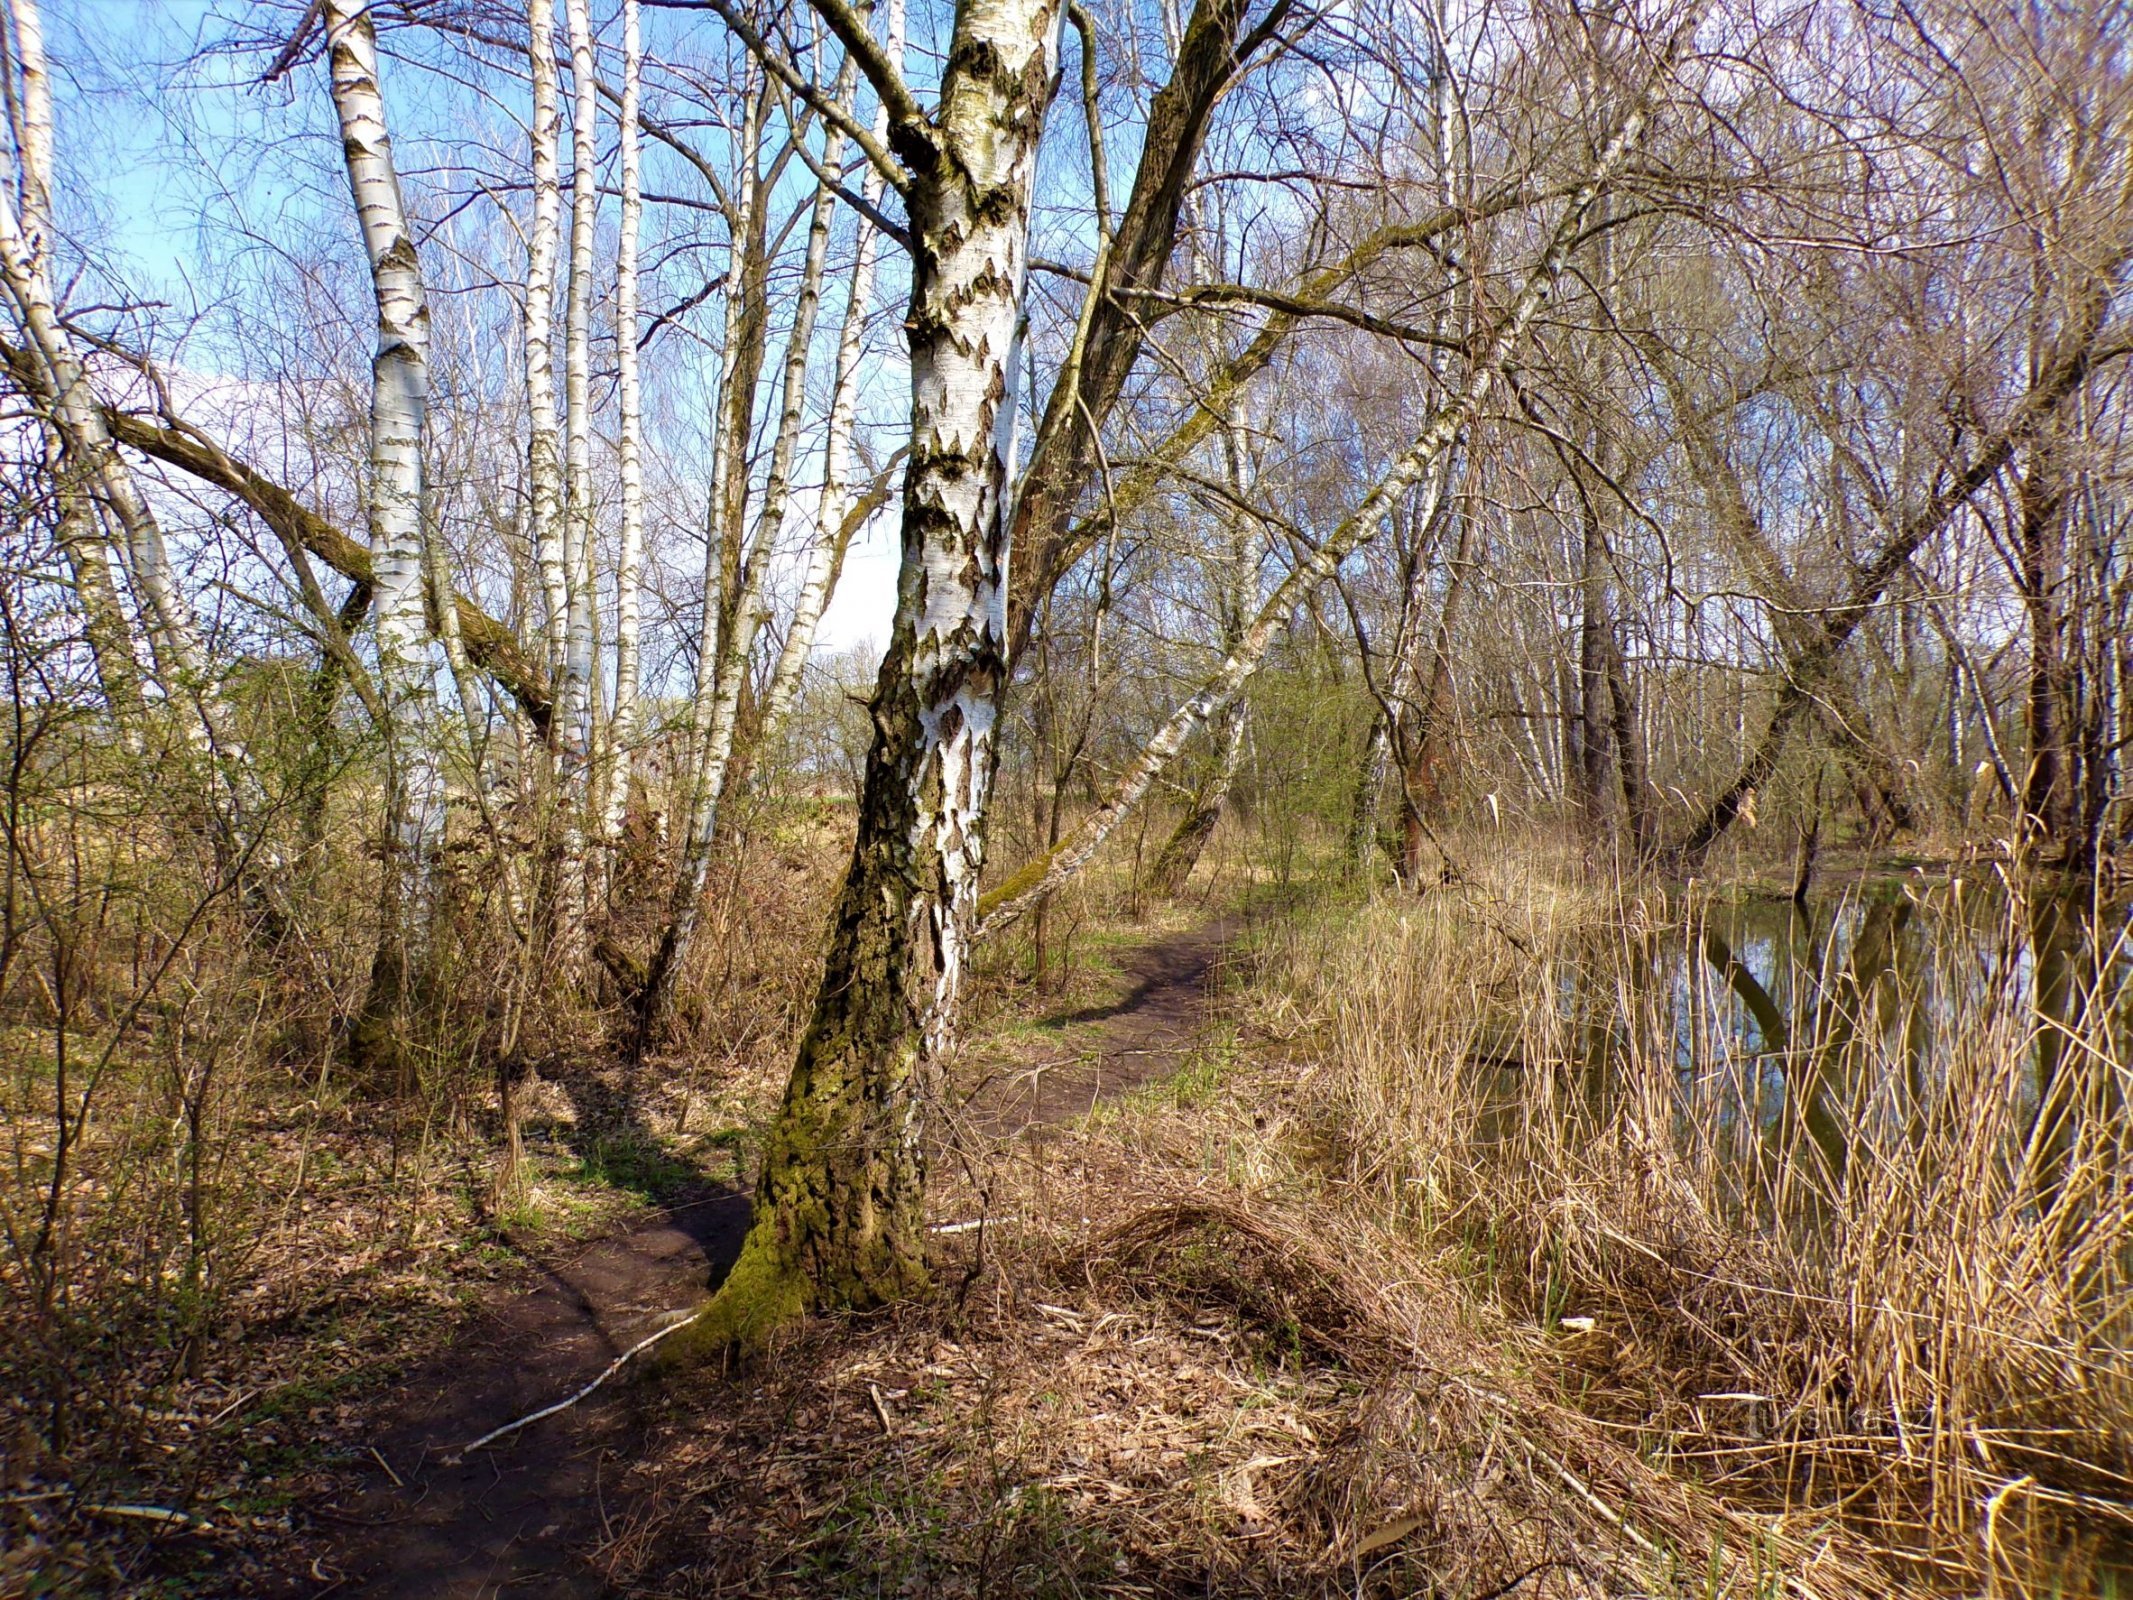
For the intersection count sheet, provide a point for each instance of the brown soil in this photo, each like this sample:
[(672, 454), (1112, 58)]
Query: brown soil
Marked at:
[(417, 1521)]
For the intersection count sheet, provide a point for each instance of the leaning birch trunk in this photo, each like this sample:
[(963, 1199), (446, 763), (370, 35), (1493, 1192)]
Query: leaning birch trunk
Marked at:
[(839, 1211), (70, 404), (399, 404), (825, 555), (1047, 872), (736, 648), (104, 624), (623, 733), (574, 799)]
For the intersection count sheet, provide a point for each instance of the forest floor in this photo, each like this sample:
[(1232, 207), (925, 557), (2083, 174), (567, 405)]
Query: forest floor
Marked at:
[(409, 1513), (1224, 1306)]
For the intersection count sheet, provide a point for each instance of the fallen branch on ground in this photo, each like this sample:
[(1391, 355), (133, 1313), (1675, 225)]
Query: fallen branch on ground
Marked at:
[(682, 1321)]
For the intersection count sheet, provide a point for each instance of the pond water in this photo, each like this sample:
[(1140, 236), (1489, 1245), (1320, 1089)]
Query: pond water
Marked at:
[(1931, 1071), (1864, 1014)]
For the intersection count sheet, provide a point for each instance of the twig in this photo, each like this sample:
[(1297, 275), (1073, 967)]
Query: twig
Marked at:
[(173, 1519), (881, 1411), (243, 1395), (613, 1367), (1578, 1488), (960, 1227), (388, 1466)]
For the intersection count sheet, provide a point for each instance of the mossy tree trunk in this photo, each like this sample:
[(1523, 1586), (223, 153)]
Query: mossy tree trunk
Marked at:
[(839, 1203)]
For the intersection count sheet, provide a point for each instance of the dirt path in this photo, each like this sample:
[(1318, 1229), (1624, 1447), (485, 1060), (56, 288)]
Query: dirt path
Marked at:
[(416, 1523), (412, 1523), (1108, 1050)]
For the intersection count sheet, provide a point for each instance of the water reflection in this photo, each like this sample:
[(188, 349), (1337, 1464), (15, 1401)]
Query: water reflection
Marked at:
[(1823, 1030), (1839, 1019), (1903, 1102)]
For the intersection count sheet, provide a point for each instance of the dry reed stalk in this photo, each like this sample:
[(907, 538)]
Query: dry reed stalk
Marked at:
[(1920, 1327)]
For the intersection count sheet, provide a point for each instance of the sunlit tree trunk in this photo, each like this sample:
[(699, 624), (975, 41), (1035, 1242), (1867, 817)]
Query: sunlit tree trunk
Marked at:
[(399, 403), (629, 399), (839, 1204), (544, 462), (104, 624), (825, 555), (736, 644), (64, 392), (575, 707)]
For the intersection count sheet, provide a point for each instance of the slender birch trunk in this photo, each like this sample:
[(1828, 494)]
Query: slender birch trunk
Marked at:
[(575, 800), (544, 463), (746, 611), (105, 627), (1416, 465), (825, 555), (623, 730), (104, 623), (73, 411), (399, 405), (839, 1213)]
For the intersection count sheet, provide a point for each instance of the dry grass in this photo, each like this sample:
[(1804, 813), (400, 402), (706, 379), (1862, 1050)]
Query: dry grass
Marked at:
[(200, 1347), (1175, 1363), (1920, 1344)]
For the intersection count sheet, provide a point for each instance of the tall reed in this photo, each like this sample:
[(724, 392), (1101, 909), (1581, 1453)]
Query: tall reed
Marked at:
[(1859, 1262)]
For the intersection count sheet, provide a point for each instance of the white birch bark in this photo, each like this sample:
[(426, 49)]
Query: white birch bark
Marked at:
[(399, 549), (399, 399), (728, 455), (575, 800), (623, 732), (1414, 466), (105, 625), (544, 467), (74, 411), (839, 1207), (577, 383), (33, 128)]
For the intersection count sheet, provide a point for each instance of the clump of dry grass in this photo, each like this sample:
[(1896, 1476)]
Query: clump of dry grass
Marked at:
[(1915, 1338), (1229, 1379)]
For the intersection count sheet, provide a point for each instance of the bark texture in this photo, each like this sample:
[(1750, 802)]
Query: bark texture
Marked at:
[(399, 403), (839, 1205)]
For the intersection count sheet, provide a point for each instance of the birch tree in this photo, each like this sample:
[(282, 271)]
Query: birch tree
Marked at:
[(832, 529), (839, 1204), (59, 379), (629, 397), (1416, 465), (743, 614), (399, 404), (576, 734), (544, 462), (105, 626)]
